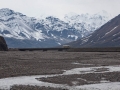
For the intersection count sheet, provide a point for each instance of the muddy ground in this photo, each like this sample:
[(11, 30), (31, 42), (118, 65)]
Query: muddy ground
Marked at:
[(21, 63)]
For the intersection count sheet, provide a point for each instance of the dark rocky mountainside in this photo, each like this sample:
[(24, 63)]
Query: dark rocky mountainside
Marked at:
[(3, 45), (106, 36)]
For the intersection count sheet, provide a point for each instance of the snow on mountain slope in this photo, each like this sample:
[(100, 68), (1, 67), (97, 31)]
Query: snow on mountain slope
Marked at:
[(86, 23), (106, 36), (16, 26)]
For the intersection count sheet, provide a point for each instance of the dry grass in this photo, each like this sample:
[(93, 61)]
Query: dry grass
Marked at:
[(18, 63), (22, 87)]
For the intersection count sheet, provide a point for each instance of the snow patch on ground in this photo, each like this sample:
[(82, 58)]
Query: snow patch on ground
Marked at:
[(101, 86), (92, 70), (59, 43), (111, 30), (80, 63), (6, 83)]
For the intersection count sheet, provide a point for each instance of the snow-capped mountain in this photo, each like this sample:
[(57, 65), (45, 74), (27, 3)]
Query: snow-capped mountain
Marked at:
[(22, 31), (106, 36), (86, 23)]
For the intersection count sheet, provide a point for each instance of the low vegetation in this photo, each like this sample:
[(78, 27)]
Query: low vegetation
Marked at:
[(23, 87)]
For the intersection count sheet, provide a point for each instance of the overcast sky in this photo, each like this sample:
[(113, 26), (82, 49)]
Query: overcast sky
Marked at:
[(58, 8)]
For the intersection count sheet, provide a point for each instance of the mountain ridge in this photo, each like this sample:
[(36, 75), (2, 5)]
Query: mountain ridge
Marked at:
[(16, 26)]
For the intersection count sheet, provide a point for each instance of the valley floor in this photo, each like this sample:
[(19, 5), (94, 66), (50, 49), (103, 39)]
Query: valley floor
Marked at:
[(53, 70)]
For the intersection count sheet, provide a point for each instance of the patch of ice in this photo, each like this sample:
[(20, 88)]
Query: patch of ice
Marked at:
[(80, 63), (104, 81), (100, 86), (75, 82), (82, 79), (76, 63), (92, 70)]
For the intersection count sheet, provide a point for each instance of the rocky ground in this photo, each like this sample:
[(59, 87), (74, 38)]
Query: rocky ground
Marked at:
[(26, 63)]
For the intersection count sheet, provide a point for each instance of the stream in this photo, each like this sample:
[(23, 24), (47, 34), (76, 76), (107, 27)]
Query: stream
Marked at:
[(6, 83)]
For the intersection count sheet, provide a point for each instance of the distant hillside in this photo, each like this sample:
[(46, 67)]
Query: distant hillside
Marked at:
[(106, 36), (3, 45)]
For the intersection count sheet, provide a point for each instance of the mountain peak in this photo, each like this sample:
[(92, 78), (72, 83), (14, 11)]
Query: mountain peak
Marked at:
[(52, 18), (105, 14), (6, 12)]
